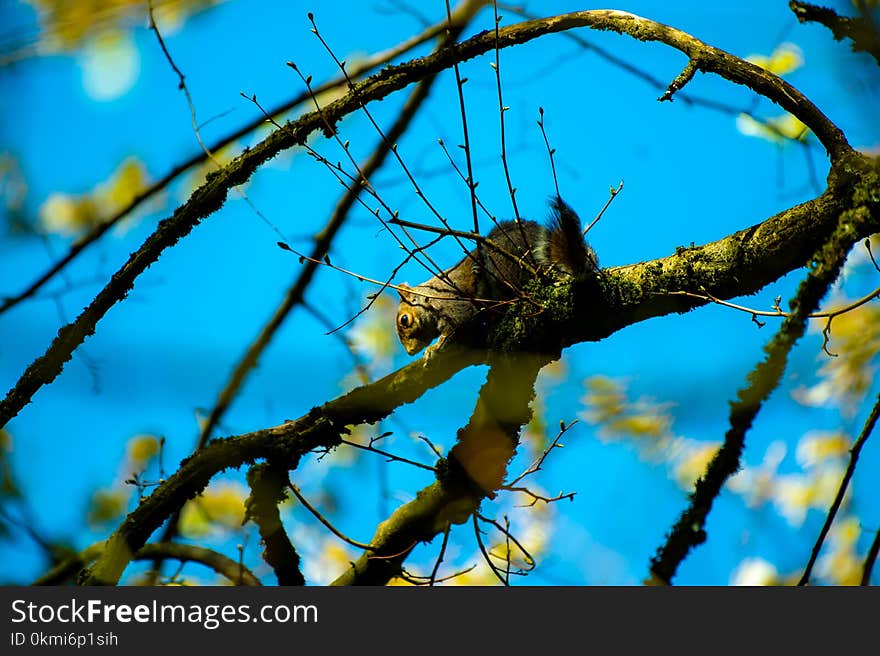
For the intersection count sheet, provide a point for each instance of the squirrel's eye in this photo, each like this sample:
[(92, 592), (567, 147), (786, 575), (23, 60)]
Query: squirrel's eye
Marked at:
[(403, 320)]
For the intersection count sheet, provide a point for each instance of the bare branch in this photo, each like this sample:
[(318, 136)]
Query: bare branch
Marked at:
[(854, 452), (283, 445), (363, 67), (433, 578), (342, 536), (689, 530), (210, 197), (681, 79), (539, 462), (612, 194), (234, 571), (268, 486), (486, 557), (385, 454)]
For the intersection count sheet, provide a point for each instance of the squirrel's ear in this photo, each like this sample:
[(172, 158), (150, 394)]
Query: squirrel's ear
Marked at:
[(403, 291)]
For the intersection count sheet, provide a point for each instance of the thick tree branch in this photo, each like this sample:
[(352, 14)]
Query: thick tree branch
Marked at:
[(741, 263), (738, 264), (296, 293), (211, 196), (268, 489), (282, 445), (475, 468), (233, 571), (825, 265)]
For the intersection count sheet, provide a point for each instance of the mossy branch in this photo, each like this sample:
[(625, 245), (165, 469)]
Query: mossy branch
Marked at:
[(268, 489), (210, 196), (475, 467), (233, 571), (282, 445), (739, 264), (736, 265)]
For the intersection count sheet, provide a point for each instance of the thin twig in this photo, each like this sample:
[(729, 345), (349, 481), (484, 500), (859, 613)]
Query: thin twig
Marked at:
[(416, 579), (390, 456), (208, 198), (502, 109), (439, 560), (485, 553), (463, 177), (871, 254), (342, 536), (431, 446), (779, 312), (539, 462), (472, 184), (612, 195), (538, 497), (529, 560), (550, 151), (841, 490), (101, 228)]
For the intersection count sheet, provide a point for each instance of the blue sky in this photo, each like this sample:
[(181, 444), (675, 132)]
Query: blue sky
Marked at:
[(156, 359)]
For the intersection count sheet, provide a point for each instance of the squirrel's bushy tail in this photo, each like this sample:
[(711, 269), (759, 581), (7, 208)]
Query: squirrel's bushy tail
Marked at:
[(567, 247)]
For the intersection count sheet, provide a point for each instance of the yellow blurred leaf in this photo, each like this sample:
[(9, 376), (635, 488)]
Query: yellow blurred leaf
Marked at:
[(785, 59), (219, 508), (140, 449), (66, 24), (755, 572), (107, 506), (640, 425), (68, 214), (777, 129), (818, 446), (841, 564), (845, 379), (692, 466), (371, 337)]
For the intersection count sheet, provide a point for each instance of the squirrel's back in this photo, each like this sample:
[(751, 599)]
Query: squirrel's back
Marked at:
[(515, 253)]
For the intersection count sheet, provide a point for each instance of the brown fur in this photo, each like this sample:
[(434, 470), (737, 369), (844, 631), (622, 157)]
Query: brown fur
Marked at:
[(486, 277)]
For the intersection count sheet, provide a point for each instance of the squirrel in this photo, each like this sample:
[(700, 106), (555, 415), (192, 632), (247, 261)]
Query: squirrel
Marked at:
[(513, 253)]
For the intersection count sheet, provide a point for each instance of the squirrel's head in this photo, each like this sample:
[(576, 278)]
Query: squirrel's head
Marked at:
[(416, 326)]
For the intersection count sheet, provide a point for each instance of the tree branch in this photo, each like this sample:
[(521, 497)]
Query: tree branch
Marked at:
[(234, 571), (854, 452), (357, 70), (295, 295), (282, 445), (862, 31), (323, 241), (210, 197), (268, 488), (475, 468), (572, 312), (740, 263), (689, 530)]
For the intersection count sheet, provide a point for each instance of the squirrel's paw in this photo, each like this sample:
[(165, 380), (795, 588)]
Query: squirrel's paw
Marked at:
[(433, 349)]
